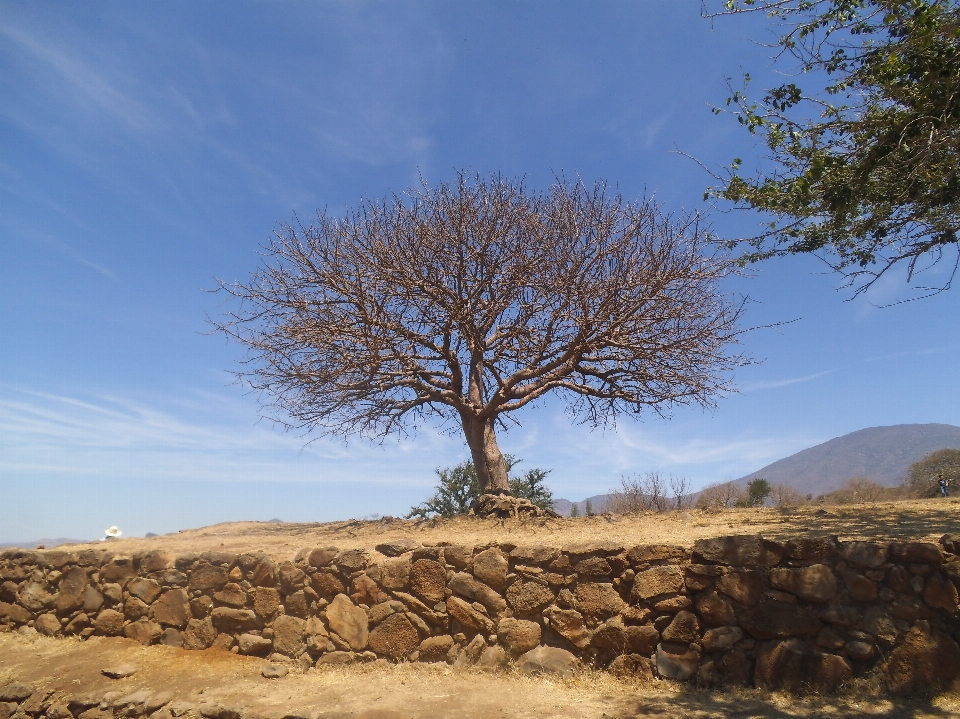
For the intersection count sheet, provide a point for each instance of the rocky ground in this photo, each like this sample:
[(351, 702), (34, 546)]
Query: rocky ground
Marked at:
[(58, 678), (63, 678)]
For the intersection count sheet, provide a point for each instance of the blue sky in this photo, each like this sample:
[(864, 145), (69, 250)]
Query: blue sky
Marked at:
[(147, 148)]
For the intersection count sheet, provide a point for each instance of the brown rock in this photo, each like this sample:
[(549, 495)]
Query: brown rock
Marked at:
[(35, 597), (744, 587), (109, 622), (609, 639), (829, 639), (926, 661), (641, 640), (631, 666), (327, 585), (469, 618), (683, 629), (598, 600), (714, 610), (435, 649), (290, 578), (772, 619), (47, 624), (860, 650), (264, 574), (864, 554), (207, 577), (671, 604), (941, 594), (812, 548), (655, 553), (118, 570), (72, 585), (721, 638), (155, 561), (428, 580), (253, 645), (534, 555), (738, 550), (322, 556), (199, 634), (133, 608), (266, 601), (676, 662), (458, 555), (815, 583), (171, 609), (144, 631), (656, 581), (397, 547), (395, 637), (548, 660), (492, 658), (798, 666), (395, 573), (338, 658), (348, 621), (861, 589), (731, 669), (296, 604), (569, 624), (518, 636), (171, 637), (915, 553), (77, 625), (234, 621), (92, 599), (15, 692), (352, 560), (146, 590), (14, 613), (466, 586), (593, 567), (288, 635), (491, 567), (898, 579), (232, 595)]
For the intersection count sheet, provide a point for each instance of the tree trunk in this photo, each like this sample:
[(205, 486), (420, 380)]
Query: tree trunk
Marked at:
[(487, 458)]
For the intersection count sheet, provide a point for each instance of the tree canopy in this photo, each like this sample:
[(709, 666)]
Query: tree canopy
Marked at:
[(467, 302), (864, 169), (922, 475)]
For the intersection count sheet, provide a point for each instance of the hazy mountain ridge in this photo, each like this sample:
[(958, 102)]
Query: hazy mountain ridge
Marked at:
[(882, 454)]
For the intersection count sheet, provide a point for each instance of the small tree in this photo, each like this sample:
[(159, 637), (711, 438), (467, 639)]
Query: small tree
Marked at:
[(588, 508), (644, 493), (457, 489), (757, 492), (784, 495), (922, 475), (574, 510), (679, 486), (466, 303)]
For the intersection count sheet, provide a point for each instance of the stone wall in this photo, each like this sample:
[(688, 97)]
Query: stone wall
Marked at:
[(804, 615)]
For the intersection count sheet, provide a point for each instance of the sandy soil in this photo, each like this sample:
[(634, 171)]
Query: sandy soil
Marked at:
[(409, 690), (917, 520)]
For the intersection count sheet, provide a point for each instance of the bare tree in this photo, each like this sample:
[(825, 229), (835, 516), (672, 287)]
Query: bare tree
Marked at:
[(723, 495), (467, 302), (784, 495), (645, 493), (680, 487)]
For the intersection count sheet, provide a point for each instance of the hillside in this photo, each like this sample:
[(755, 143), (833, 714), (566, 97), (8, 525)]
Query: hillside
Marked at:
[(882, 454)]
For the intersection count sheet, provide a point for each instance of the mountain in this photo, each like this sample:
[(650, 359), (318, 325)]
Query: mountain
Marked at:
[(882, 454), (48, 543)]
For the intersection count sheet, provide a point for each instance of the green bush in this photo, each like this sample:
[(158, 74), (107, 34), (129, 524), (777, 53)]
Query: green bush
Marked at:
[(458, 487)]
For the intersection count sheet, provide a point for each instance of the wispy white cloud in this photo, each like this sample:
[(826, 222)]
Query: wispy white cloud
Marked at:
[(111, 436), (773, 384)]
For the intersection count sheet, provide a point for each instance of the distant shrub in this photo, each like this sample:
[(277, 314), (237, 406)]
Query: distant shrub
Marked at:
[(574, 510), (757, 492), (719, 496), (861, 489), (921, 478), (783, 495)]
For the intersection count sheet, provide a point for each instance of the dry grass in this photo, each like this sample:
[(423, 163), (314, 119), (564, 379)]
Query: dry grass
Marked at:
[(915, 520)]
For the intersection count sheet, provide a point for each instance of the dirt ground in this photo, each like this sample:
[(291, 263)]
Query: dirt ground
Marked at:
[(917, 520), (409, 691)]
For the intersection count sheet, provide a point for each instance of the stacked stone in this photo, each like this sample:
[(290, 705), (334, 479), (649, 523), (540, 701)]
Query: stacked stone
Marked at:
[(805, 615)]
